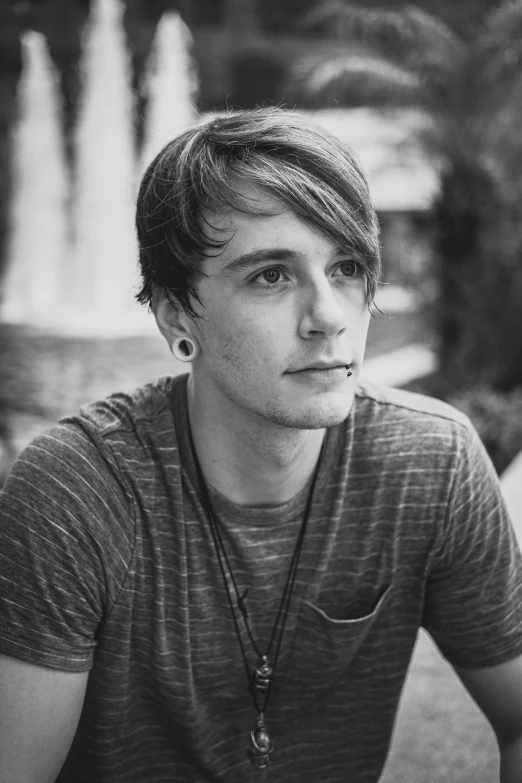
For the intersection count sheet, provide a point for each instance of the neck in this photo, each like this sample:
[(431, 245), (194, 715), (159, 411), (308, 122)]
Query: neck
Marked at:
[(250, 461)]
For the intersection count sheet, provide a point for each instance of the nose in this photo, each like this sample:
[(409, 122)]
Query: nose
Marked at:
[(324, 313)]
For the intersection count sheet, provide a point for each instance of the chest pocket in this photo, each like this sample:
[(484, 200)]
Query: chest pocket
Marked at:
[(323, 648)]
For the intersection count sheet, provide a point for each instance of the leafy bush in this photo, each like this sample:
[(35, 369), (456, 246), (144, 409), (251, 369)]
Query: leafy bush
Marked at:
[(497, 417)]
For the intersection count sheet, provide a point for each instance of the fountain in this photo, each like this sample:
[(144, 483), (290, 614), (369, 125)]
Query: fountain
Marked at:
[(73, 255), (38, 247), (171, 86), (102, 273), (70, 327)]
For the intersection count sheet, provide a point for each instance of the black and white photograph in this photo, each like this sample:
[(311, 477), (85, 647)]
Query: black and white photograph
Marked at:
[(260, 391)]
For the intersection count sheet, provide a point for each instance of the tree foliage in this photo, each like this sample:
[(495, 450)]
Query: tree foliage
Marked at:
[(277, 16), (472, 90)]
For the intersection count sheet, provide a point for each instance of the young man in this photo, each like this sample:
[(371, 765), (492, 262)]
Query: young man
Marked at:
[(224, 573)]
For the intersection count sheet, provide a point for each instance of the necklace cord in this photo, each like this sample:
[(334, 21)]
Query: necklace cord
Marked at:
[(290, 583), (217, 541), (284, 604)]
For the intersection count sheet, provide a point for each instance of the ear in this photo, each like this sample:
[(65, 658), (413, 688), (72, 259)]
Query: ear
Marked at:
[(173, 322)]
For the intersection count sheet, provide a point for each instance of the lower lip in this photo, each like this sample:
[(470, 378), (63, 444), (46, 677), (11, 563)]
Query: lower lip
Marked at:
[(330, 376)]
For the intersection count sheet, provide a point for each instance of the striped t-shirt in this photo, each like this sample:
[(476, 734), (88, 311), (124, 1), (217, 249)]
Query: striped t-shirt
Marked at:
[(107, 564)]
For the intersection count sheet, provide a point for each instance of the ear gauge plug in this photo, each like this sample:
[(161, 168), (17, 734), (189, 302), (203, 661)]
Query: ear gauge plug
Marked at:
[(184, 349)]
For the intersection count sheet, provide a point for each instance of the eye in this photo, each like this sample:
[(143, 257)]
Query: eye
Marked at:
[(348, 268), (271, 275)]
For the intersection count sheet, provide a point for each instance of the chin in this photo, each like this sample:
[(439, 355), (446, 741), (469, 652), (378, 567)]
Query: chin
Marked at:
[(316, 415)]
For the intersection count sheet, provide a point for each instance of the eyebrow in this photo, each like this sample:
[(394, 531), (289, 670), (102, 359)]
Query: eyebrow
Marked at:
[(256, 257)]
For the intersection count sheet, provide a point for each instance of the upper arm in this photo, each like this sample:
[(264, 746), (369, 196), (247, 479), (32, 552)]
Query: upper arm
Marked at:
[(66, 535), (40, 711), (473, 602), (497, 690)]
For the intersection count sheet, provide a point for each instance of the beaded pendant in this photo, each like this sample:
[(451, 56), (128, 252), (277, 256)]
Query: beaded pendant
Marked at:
[(262, 675), (262, 746)]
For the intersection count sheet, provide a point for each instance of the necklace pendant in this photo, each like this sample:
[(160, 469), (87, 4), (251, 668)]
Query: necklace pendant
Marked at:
[(262, 747), (262, 675)]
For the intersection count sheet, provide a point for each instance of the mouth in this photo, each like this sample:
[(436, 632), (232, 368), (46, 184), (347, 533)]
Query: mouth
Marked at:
[(325, 373), (324, 367)]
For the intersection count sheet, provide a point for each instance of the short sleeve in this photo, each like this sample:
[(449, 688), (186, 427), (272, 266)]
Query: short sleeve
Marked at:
[(473, 607), (64, 543)]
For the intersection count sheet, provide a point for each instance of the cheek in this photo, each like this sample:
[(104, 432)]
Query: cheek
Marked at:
[(245, 342), (365, 324)]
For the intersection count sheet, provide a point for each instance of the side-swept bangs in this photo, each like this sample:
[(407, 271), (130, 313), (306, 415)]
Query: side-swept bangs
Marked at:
[(307, 169)]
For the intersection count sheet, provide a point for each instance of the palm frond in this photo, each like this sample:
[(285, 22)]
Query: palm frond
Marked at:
[(354, 80), (409, 37), (431, 33), (505, 20), (383, 29), (323, 18), (500, 45)]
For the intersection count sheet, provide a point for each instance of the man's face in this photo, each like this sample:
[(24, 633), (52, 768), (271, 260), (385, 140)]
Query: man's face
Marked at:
[(281, 305)]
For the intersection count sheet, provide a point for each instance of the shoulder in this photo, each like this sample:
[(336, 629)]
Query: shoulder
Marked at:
[(103, 433), (92, 460), (136, 411), (410, 413), (410, 431)]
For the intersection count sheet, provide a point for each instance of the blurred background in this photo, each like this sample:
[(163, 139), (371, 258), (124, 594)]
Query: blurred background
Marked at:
[(429, 98)]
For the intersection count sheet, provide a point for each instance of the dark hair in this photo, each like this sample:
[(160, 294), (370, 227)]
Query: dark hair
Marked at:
[(305, 167)]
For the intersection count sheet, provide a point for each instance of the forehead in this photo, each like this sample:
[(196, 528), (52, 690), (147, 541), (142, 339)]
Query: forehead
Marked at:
[(257, 202), (265, 223)]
